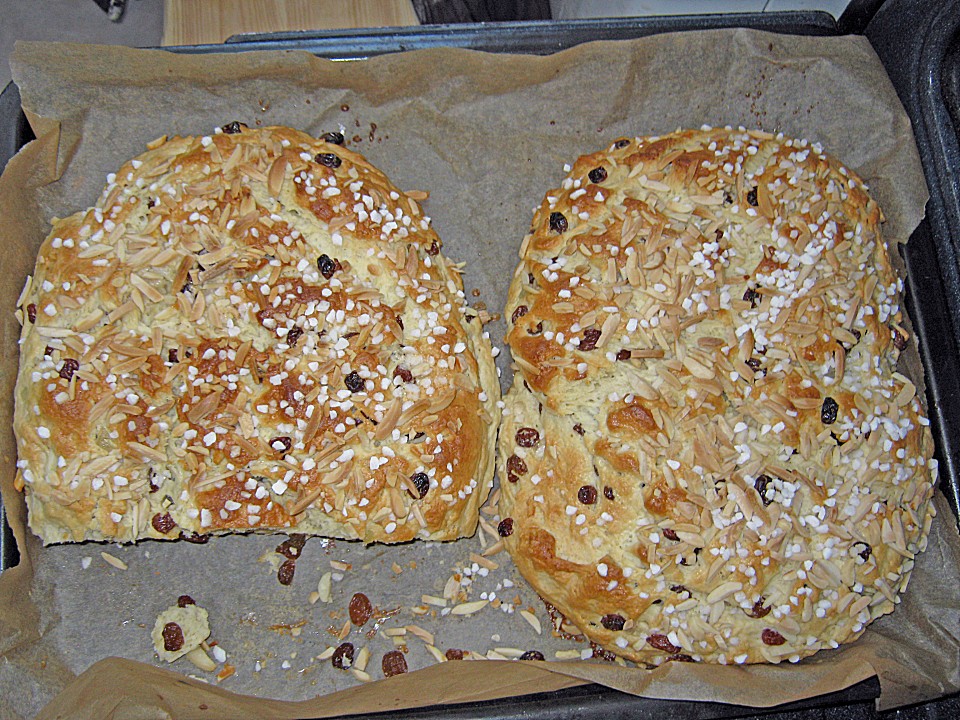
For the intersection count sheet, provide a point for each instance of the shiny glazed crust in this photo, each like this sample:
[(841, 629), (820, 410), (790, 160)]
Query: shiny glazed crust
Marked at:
[(708, 453), (251, 331)]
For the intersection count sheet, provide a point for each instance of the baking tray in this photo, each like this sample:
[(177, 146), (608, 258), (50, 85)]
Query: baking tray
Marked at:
[(919, 43)]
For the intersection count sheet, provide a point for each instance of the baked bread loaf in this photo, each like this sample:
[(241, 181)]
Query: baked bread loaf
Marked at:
[(252, 331), (708, 453)]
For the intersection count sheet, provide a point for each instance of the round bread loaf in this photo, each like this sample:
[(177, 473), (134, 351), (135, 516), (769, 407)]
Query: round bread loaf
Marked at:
[(252, 331), (708, 453)]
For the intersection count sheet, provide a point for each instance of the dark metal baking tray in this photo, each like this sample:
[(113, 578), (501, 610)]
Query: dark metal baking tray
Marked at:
[(919, 44)]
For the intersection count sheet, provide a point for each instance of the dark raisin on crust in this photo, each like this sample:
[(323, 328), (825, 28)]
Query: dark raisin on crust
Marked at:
[(613, 621), (597, 175), (329, 159), (558, 222), (590, 338), (527, 437), (828, 411), (761, 484), (334, 138), (587, 495), (163, 523), (422, 482), (354, 382)]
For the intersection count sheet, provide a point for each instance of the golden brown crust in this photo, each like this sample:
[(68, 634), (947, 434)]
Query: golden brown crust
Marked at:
[(708, 453), (251, 331)]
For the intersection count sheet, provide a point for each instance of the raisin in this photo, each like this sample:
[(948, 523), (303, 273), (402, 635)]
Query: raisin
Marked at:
[(679, 589), (680, 657), (537, 330), (671, 534), (232, 128), (173, 356), (403, 374), (151, 203), (899, 339), (597, 175), (865, 553), (195, 538), (751, 296), (727, 198), (623, 354), (172, 637), (393, 663), (360, 609), (185, 600), (622, 143), (70, 366), (662, 642), (608, 492), (505, 528), (601, 654), (32, 312), (527, 437), (590, 338), (328, 159), (292, 547), (519, 313), (752, 197), (772, 637), (282, 444), (334, 138), (326, 265), (754, 364), (515, 468), (293, 335), (434, 248), (47, 351), (422, 482), (578, 429), (558, 223), (613, 621), (532, 655), (342, 657), (454, 654), (354, 382), (828, 411), (758, 610), (286, 572), (163, 523), (761, 484), (587, 495)]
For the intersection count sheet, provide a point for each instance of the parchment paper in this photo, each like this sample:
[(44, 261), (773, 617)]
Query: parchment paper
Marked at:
[(487, 135)]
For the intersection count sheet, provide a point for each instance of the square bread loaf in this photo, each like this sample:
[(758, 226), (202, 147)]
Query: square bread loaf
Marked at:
[(251, 331)]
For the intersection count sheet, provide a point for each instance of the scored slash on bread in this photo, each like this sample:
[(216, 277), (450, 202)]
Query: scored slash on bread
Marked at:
[(708, 453), (251, 331)]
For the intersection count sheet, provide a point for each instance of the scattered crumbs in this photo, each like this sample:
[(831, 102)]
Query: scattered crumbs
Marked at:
[(112, 560)]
